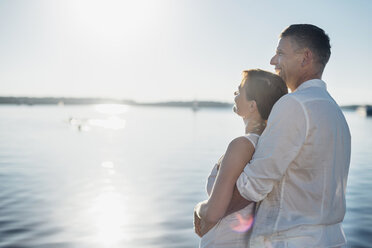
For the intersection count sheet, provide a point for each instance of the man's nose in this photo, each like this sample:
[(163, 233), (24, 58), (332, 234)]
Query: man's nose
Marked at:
[(273, 60)]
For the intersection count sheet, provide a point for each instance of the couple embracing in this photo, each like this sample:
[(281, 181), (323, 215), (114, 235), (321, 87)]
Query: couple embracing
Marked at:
[(283, 183)]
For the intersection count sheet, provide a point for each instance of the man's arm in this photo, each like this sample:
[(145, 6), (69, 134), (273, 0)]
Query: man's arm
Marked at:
[(237, 202), (277, 147)]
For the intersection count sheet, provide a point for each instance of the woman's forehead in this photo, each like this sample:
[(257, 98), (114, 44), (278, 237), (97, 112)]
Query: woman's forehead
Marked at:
[(244, 82)]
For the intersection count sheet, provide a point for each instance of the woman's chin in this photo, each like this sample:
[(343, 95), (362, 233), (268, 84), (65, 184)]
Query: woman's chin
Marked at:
[(236, 111)]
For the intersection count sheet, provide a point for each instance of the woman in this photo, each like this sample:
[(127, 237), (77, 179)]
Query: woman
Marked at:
[(256, 95)]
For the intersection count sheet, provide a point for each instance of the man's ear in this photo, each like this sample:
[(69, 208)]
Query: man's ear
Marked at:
[(307, 57)]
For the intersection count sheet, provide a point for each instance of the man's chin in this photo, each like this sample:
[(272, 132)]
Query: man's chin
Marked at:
[(280, 74)]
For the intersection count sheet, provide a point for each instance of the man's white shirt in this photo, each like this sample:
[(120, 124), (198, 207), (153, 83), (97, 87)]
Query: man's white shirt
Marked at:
[(299, 171)]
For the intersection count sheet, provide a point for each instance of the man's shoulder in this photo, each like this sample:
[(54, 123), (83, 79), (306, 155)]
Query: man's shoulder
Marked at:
[(313, 94), (287, 108), (286, 102)]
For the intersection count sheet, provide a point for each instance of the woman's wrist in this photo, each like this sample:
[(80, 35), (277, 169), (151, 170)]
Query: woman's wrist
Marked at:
[(200, 209)]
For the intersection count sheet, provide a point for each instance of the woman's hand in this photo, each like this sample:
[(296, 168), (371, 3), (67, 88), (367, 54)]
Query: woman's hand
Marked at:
[(205, 227), (197, 222), (197, 218), (201, 227)]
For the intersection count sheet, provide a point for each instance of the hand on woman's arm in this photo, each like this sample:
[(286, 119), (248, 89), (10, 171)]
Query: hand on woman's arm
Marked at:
[(238, 154)]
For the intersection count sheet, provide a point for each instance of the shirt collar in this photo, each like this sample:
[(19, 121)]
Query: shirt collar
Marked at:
[(312, 83)]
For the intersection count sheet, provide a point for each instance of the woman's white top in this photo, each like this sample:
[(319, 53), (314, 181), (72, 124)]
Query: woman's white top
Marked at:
[(232, 230)]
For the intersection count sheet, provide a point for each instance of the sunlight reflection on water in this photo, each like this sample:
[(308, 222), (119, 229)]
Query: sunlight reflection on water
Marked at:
[(108, 211), (111, 109), (108, 215), (112, 122)]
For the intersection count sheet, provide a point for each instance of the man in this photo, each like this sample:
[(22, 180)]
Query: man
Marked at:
[(299, 170)]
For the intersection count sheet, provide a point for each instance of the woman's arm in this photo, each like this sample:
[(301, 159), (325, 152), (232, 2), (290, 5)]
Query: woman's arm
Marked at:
[(237, 156)]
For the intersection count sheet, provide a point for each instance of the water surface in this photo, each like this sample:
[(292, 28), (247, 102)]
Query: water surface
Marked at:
[(124, 176)]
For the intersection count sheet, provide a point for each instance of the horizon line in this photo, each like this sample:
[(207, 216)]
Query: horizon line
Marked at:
[(110, 100)]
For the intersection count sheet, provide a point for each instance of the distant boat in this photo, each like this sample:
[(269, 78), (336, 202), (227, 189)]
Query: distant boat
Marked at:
[(195, 106), (365, 110)]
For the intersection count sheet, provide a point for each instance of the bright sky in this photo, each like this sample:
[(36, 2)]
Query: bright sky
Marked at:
[(148, 50)]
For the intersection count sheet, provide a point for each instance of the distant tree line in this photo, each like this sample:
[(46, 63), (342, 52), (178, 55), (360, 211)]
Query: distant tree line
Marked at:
[(83, 101)]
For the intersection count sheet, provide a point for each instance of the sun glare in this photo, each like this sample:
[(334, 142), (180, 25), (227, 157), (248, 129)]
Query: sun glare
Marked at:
[(113, 20), (243, 223)]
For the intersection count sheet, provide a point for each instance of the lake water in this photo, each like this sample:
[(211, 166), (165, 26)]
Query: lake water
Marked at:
[(124, 176)]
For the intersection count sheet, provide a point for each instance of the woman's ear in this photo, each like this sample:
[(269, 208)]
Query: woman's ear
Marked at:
[(253, 106)]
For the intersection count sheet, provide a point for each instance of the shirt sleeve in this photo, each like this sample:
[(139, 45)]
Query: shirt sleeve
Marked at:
[(277, 147)]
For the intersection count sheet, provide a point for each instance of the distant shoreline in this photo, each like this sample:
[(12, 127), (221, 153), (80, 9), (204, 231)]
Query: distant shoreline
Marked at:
[(87, 101)]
